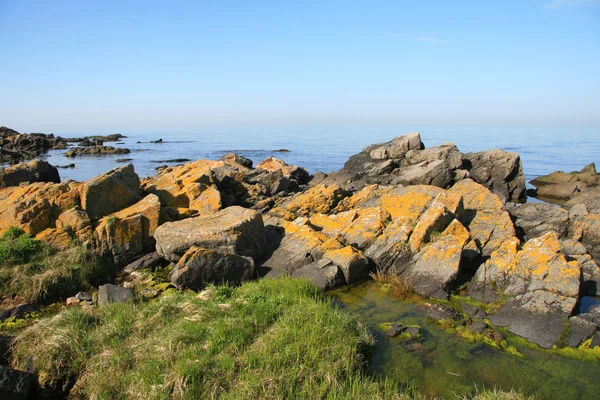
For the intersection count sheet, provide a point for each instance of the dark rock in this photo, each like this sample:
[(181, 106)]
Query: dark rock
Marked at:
[(537, 219), (96, 151), (473, 312), (156, 141), (122, 160), (235, 160), (595, 341), (439, 312), (586, 229), (317, 178), (34, 171), (396, 330), (281, 151), (412, 332), (174, 160), (15, 385), (149, 261), (199, 267), (580, 329), (66, 166), (90, 142), (114, 294), (323, 274), (19, 311), (83, 296)]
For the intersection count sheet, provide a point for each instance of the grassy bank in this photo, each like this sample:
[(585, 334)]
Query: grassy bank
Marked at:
[(270, 339), (32, 272)]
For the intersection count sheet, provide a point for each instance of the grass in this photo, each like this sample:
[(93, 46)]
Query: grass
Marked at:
[(270, 339), (32, 272), (390, 280)]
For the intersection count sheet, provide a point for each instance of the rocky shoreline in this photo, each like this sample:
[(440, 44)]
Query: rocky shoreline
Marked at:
[(442, 221)]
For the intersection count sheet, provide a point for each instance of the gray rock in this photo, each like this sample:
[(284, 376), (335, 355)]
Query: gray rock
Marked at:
[(537, 219), (396, 330), (199, 267), (114, 294), (580, 329), (395, 148), (149, 261), (439, 312), (323, 274), (234, 230), (15, 385), (499, 171), (19, 311), (235, 160), (589, 198), (33, 171), (83, 296), (412, 332), (478, 326)]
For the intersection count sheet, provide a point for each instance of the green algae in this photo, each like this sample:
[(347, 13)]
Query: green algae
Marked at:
[(445, 363)]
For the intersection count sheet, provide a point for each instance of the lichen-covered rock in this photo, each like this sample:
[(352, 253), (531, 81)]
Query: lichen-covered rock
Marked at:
[(127, 234), (362, 231), (110, 192), (434, 220), (484, 214), (586, 229), (324, 274), (237, 161), (271, 164), (541, 284), (233, 230), (316, 200), (34, 207), (499, 171), (435, 267), (33, 171), (57, 238), (199, 267)]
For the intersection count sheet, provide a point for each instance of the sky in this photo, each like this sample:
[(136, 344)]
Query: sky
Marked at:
[(138, 66)]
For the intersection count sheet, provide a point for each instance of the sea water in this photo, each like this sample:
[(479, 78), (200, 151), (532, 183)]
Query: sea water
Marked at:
[(325, 149)]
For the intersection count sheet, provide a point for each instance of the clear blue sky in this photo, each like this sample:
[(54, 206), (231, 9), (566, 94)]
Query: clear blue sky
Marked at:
[(127, 66)]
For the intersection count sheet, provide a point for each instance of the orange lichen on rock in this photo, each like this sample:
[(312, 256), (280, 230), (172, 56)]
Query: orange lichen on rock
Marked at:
[(333, 224), (435, 219), (316, 200), (351, 261), (369, 224)]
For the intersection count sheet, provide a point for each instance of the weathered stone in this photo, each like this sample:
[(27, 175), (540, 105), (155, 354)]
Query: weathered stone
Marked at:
[(128, 233), (589, 198), (234, 230), (368, 225), (149, 261), (34, 171), (316, 200), (59, 239), (114, 294), (390, 251), (237, 161), (271, 164), (537, 219), (110, 192), (586, 229), (489, 224), (560, 186), (199, 266), (437, 265), (352, 262), (96, 150), (323, 274), (433, 221), (580, 330), (395, 148), (499, 171)]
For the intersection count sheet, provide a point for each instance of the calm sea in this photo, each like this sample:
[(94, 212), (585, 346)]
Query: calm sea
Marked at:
[(542, 150)]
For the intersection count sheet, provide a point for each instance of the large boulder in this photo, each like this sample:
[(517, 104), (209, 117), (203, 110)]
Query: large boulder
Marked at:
[(35, 207), (537, 219), (272, 164), (128, 233), (541, 285), (484, 214), (437, 265), (34, 171), (499, 171), (199, 267), (110, 192), (589, 198), (234, 230)]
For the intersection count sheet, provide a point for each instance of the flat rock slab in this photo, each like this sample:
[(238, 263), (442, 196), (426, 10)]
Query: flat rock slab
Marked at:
[(234, 230), (114, 294)]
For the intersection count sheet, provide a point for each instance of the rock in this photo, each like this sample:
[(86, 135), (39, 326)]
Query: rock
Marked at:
[(364, 229), (199, 266), (560, 186), (484, 214), (15, 385), (149, 261), (352, 262), (440, 313), (391, 251), (110, 192), (16, 147), (76, 221), (435, 267), (19, 311), (87, 142), (114, 294), (542, 287), (316, 200), (83, 296), (477, 327), (97, 150), (271, 164), (34, 207), (395, 148), (412, 332), (72, 301), (33, 171), (580, 330), (128, 233), (323, 274), (56, 238), (586, 229), (234, 230), (317, 178), (396, 330), (237, 161), (499, 171), (72, 165), (537, 219), (590, 199)]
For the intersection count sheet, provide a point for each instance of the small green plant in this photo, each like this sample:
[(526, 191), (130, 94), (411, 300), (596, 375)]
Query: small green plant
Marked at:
[(13, 232), (390, 279), (434, 236), (111, 221)]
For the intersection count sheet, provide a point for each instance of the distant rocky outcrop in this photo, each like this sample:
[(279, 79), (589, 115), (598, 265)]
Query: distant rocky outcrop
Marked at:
[(96, 150), (405, 161), (34, 171), (16, 147), (560, 187)]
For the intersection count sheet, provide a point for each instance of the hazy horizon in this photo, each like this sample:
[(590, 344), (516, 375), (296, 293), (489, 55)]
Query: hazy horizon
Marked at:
[(132, 67)]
